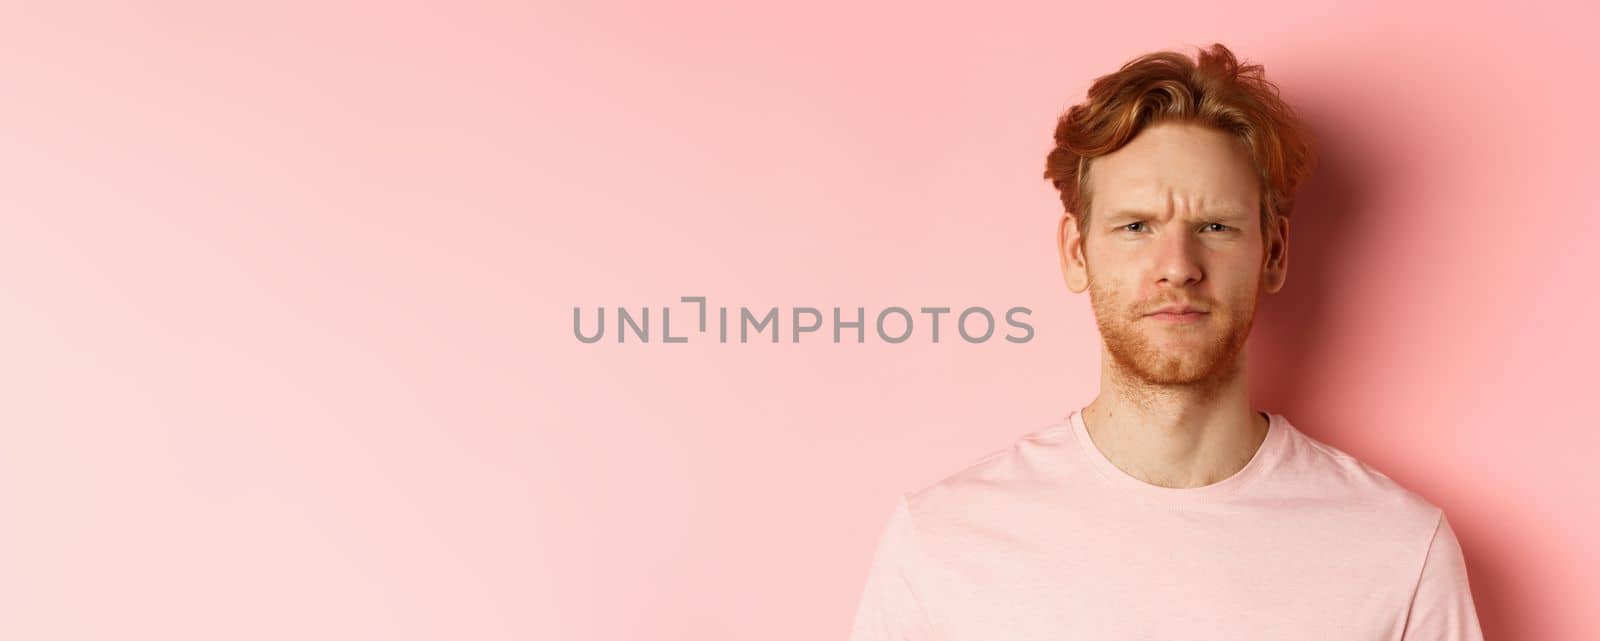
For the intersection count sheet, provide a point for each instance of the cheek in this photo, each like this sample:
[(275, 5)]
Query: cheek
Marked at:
[(1241, 297), (1235, 275)]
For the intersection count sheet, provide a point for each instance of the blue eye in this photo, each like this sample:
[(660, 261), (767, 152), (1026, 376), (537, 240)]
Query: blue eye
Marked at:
[(1128, 227)]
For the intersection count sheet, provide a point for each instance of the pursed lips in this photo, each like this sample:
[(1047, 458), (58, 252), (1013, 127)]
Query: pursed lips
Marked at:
[(1177, 313)]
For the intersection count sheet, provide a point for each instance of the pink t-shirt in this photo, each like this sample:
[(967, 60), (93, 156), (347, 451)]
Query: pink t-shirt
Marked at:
[(1047, 540)]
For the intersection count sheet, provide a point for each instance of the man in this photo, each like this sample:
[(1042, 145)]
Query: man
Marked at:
[(1167, 509)]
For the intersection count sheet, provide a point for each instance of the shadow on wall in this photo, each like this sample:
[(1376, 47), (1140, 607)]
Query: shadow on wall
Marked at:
[(1290, 338), (1290, 334)]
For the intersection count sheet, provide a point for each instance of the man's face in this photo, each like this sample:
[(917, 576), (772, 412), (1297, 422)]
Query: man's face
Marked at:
[(1175, 222)]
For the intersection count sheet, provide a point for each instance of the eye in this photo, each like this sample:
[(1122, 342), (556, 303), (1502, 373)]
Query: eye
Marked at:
[(1125, 227), (1224, 227)]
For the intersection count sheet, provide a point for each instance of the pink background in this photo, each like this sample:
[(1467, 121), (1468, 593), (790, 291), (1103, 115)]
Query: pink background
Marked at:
[(288, 298)]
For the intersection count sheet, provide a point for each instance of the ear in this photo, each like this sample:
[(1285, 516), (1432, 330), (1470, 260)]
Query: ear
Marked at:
[(1069, 243), (1275, 261)]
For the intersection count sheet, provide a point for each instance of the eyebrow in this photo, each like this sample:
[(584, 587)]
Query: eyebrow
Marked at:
[(1225, 213)]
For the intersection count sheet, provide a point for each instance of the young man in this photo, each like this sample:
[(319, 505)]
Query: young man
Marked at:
[(1168, 509)]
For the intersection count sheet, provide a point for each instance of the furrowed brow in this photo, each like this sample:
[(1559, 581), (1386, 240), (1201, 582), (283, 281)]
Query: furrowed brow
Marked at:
[(1229, 214)]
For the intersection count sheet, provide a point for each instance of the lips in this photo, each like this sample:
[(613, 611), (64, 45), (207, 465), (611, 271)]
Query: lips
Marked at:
[(1179, 315), (1176, 309)]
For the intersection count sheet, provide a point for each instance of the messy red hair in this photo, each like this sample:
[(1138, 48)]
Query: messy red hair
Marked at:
[(1215, 90)]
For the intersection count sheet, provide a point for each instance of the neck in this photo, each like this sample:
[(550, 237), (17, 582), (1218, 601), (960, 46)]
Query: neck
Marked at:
[(1175, 436)]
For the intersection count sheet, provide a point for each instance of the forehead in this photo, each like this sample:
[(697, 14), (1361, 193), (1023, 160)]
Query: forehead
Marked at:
[(1182, 165)]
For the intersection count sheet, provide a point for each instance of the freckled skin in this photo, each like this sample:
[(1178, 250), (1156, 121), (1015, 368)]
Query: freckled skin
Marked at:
[(1180, 175), (1175, 218)]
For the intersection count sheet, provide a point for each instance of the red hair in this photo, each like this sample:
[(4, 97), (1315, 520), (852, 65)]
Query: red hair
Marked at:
[(1215, 90)]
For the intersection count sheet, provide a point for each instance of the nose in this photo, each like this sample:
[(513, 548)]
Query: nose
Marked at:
[(1178, 258)]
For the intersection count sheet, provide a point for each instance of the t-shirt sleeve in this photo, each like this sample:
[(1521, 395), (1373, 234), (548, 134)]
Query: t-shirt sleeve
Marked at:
[(889, 608), (1441, 608)]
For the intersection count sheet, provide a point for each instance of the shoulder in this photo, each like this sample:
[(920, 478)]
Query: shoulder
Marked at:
[(1319, 473), (994, 480)]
